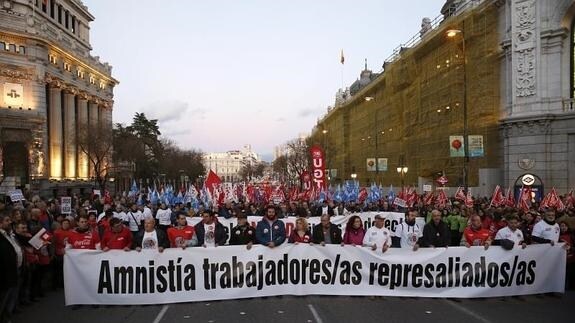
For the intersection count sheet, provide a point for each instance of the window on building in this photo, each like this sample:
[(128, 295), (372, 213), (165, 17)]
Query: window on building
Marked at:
[(59, 14), (67, 67), (66, 20), (3, 45), (44, 6), (102, 85), (52, 9), (53, 59), (22, 50), (12, 47), (80, 73), (92, 79), (73, 24)]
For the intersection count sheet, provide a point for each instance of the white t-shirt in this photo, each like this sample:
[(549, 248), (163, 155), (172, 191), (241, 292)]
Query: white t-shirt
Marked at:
[(546, 231), (163, 216), (409, 234), (210, 235), (150, 240), (506, 233), (133, 219), (377, 236), (120, 215), (101, 216), (148, 213)]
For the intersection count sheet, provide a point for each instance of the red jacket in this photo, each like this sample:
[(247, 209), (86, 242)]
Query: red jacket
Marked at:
[(175, 235), (568, 239), (60, 237), (294, 237), (476, 237)]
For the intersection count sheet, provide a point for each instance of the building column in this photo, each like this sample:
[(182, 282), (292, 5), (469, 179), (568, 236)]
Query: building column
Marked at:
[(70, 134), (55, 138), (82, 128), (93, 123)]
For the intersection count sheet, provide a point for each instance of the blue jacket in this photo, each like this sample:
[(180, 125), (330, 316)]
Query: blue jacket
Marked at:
[(265, 234)]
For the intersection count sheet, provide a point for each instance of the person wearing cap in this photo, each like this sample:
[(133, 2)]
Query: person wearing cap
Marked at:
[(510, 236), (378, 236), (243, 233)]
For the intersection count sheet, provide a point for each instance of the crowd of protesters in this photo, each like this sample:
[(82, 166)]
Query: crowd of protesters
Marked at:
[(96, 223)]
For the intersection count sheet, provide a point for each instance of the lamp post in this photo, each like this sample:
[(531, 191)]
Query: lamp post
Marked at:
[(402, 170), (452, 33), (353, 176)]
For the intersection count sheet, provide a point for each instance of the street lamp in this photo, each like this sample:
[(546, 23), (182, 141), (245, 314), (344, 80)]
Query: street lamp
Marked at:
[(402, 170), (353, 176), (452, 33)]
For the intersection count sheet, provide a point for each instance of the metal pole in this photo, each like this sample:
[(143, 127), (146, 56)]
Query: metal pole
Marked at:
[(465, 130)]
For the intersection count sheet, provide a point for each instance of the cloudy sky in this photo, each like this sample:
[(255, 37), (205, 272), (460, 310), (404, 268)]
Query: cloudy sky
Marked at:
[(220, 74)]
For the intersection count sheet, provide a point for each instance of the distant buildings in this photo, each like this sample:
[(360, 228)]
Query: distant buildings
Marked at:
[(227, 165)]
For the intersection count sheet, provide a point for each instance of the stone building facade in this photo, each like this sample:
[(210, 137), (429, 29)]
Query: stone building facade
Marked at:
[(506, 76), (227, 165), (52, 88)]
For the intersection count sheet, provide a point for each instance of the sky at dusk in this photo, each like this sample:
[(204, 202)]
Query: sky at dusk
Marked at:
[(221, 74)]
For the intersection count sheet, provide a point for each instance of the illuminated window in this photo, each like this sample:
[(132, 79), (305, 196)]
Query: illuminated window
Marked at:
[(67, 67), (80, 73), (102, 85), (53, 59), (92, 79)]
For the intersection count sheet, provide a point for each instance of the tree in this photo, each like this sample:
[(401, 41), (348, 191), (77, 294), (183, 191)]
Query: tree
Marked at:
[(96, 142), (175, 162), (251, 169), (279, 166), (295, 162)]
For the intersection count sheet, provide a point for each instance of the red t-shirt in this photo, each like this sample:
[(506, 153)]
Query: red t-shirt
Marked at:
[(60, 237), (119, 240), (496, 226), (175, 235), (476, 238), (85, 240)]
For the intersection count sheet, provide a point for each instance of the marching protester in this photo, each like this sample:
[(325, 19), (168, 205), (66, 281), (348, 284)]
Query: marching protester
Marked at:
[(354, 231), (11, 260), (164, 217), (326, 232), (151, 238), (510, 236), (59, 240), (243, 233), (117, 236), (134, 219), (301, 234), (182, 235), (547, 230), (209, 231), (378, 236), (83, 236), (475, 234), (436, 233), (408, 233), (270, 231)]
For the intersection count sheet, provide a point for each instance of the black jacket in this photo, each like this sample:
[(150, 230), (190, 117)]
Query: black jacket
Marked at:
[(8, 264), (221, 236), (162, 239), (334, 231), (242, 235), (319, 211), (435, 235)]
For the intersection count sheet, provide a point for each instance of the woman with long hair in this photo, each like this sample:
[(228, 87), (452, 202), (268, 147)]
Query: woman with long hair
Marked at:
[(301, 232), (354, 231)]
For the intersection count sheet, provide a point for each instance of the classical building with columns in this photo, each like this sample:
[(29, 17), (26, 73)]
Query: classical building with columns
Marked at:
[(52, 89), (499, 71)]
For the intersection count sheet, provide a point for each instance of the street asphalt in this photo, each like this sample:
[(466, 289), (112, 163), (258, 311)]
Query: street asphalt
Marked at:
[(319, 309)]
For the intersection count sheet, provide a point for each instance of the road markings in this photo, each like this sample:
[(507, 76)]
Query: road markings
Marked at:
[(161, 314), (314, 313), (468, 311)]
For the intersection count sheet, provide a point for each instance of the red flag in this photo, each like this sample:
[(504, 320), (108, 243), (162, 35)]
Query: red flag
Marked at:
[(509, 198), (107, 197), (497, 198), (428, 199), (441, 200), (460, 194), (411, 197), (362, 195), (212, 181), (469, 199), (524, 202), (570, 200), (552, 200)]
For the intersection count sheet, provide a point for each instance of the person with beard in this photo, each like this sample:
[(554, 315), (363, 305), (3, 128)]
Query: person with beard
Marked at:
[(210, 232), (475, 234), (326, 232), (436, 233), (182, 235), (354, 231), (408, 233), (546, 231), (243, 233), (270, 231), (83, 237)]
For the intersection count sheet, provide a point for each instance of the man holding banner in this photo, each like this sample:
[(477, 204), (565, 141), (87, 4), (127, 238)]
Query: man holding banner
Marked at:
[(270, 231), (378, 236)]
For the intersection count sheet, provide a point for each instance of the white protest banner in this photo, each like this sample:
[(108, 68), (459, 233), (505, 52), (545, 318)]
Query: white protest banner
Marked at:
[(233, 272), (16, 195), (391, 220), (66, 205), (41, 238), (400, 202)]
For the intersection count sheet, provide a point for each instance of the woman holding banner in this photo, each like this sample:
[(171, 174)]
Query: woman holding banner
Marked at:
[(354, 231), (301, 234)]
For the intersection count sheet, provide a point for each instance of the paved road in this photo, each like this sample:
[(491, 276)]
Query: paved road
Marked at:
[(319, 309)]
